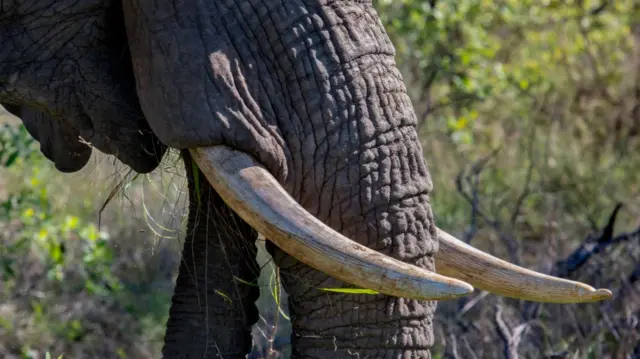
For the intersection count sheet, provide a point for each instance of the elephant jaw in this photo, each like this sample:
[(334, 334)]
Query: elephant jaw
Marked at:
[(256, 196)]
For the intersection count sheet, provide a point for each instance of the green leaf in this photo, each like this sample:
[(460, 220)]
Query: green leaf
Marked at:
[(350, 290), (11, 159)]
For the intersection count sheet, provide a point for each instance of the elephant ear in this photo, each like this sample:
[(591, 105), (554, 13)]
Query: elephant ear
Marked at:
[(59, 140)]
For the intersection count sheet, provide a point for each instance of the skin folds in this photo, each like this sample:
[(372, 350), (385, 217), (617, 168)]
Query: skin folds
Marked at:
[(69, 61)]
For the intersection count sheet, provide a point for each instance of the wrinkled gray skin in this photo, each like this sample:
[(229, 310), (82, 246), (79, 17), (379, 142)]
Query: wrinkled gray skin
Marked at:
[(309, 87)]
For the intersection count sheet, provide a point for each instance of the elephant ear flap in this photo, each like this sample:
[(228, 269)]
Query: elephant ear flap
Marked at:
[(59, 140)]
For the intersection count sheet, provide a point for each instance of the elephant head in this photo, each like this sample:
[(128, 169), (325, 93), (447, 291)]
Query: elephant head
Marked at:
[(296, 115)]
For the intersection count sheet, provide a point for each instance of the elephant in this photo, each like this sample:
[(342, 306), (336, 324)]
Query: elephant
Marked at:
[(293, 121)]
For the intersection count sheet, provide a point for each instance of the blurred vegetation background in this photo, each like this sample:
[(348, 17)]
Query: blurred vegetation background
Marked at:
[(529, 113)]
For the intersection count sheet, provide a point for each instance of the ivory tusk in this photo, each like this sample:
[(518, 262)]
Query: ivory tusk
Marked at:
[(459, 260), (256, 196)]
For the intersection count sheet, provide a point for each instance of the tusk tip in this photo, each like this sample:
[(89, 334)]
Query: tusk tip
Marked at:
[(466, 288), (454, 289), (590, 295), (461, 290), (601, 294)]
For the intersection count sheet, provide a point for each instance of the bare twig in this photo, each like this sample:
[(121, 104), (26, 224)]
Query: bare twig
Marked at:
[(472, 354), (526, 188), (510, 338), (635, 275), (470, 304), (565, 354), (472, 179), (454, 346), (594, 245)]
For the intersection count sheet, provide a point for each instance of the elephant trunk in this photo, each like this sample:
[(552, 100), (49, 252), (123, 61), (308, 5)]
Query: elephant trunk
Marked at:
[(380, 200), (213, 307)]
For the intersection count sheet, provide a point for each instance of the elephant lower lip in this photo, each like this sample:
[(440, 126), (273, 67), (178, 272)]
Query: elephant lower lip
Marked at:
[(260, 200), (143, 156)]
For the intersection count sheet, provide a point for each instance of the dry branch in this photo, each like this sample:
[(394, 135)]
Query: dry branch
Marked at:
[(593, 245), (510, 338)]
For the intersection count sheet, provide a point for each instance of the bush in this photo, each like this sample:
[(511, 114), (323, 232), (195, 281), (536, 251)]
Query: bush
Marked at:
[(68, 287), (530, 120), (44, 232)]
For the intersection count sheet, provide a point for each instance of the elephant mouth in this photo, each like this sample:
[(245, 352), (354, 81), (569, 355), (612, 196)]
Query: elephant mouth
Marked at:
[(258, 198)]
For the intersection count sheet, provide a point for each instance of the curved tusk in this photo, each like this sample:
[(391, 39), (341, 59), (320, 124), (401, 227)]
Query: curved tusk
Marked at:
[(256, 196), (459, 260)]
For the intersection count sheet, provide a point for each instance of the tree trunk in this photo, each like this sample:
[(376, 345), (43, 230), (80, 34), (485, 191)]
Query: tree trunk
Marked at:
[(213, 307)]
